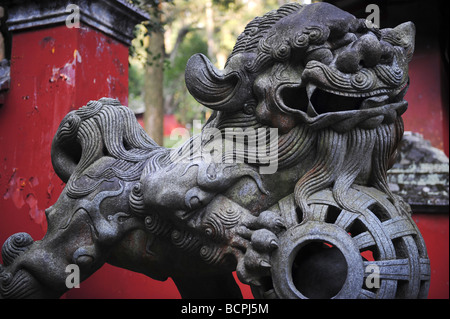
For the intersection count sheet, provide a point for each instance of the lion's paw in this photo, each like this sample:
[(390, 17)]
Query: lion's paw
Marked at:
[(261, 234)]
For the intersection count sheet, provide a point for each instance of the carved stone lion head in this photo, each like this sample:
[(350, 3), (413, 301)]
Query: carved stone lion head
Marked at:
[(314, 64)]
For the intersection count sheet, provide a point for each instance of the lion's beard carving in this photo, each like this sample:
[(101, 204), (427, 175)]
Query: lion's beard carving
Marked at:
[(343, 157)]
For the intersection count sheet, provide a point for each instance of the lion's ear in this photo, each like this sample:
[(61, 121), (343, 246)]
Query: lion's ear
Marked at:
[(402, 35), (215, 89), (407, 32)]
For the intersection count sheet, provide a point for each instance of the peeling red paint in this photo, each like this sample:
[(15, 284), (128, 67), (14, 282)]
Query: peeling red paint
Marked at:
[(17, 188), (50, 189), (13, 192), (34, 181), (66, 72), (36, 214)]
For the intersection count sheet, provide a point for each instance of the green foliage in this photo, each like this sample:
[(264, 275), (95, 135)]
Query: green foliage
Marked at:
[(175, 17), (136, 80), (186, 109), (224, 4), (193, 43), (153, 8)]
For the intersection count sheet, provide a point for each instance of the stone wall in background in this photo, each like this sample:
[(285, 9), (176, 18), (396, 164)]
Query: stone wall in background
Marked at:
[(420, 175)]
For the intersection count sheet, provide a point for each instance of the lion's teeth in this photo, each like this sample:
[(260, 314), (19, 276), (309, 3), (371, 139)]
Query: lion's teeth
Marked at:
[(310, 88), (311, 111)]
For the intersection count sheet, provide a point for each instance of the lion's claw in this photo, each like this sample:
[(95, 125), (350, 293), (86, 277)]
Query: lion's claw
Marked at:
[(268, 220), (261, 234), (264, 240)]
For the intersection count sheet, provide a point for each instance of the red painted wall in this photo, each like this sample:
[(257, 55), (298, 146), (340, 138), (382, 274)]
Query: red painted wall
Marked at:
[(427, 114), (54, 70), (434, 229), (427, 111)]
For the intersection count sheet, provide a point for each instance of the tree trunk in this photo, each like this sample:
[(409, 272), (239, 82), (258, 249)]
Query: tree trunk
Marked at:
[(210, 30), (153, 87)]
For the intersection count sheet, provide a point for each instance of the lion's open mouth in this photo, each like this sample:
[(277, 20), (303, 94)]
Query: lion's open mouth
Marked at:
[(320, 107), (327, 101), (322, 100)]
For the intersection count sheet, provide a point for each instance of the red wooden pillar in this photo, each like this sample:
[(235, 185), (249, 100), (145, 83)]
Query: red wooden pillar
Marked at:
[(53, 70)]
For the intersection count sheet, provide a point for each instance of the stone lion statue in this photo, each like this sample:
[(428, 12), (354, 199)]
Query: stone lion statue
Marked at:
[(286, 184)]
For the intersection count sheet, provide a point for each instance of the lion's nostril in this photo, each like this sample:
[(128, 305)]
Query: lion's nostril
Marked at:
[(349, 61), (366, 52), (370, 49)]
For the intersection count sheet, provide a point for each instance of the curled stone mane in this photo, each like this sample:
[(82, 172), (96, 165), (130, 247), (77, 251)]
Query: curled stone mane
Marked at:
[(101, 128), (249, 40)]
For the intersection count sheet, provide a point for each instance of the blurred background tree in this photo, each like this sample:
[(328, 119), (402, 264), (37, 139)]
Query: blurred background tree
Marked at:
[(177, 30)]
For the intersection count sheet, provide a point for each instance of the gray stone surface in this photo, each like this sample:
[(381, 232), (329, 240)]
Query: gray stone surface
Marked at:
[(116, 18)]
